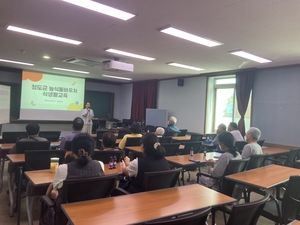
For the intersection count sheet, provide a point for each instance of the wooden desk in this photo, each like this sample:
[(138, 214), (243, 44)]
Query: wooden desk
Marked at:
[(183, 160), (275, 151), (139, 150), (144, 206), (44, 177), (182, 138), (265, 177)]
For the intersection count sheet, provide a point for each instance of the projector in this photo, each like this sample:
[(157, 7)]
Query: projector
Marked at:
[(117, 66)]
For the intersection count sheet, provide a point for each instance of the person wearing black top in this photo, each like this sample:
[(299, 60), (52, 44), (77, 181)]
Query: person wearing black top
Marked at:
[(154, 160)]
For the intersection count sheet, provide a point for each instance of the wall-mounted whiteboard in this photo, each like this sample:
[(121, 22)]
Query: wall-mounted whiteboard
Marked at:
[(156, 117), (4, 104)]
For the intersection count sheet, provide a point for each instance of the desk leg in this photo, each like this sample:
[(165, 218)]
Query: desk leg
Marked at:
[(182, 176), (29, 206), (11, 179), (19, 194), (2, 162)]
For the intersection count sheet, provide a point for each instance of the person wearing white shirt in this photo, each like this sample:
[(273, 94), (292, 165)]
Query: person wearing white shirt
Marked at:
[(233, 129), (87, 115)]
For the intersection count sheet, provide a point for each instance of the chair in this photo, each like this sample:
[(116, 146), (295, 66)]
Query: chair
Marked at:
[(288, 160), (13, 137), (104, 156), (133, 141), (50, 135), (172, 133), (68, 145), (165, 140), (22, 146), (122, 133), (38, 160), (75, 190), (182, 132), (196, 137), (256, 161), (246, 214), (150, 128), (155, 181), (261, 142), (240, 145), (160, 179), (99, 137), (136, 141), (189, 218), (227, 186), (170, 148), (288, 206)]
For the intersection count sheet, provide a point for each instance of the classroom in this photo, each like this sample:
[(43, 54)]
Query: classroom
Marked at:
[(115, 83)]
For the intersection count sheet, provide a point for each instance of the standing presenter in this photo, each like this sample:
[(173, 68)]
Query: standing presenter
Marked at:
[(87, 116)]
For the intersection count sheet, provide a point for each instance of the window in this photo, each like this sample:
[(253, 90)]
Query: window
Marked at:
[(221, 106)]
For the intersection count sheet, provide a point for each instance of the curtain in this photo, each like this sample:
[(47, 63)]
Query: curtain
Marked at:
[(143, 96), (244, 85)]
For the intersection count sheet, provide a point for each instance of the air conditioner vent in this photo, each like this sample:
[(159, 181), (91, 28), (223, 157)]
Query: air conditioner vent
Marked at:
[(83, 62)]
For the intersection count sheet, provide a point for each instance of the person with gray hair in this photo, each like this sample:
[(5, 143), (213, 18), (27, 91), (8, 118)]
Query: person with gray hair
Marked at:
[(171, 125), (252, 148), (221, 128), (159, 131)]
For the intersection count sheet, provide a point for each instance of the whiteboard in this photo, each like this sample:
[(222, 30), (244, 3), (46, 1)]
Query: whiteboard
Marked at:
[(156, 117), (4, 104)]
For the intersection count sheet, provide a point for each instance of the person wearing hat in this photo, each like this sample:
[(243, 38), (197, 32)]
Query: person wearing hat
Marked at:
[(136, 132)]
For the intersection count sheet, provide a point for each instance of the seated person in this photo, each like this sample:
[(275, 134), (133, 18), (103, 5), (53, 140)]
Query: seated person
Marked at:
[(233, 129), (154, 160), (221, 128), (32, 131), (252, 148), (109, 141), (230, 152), (76, 127), (171, 125), (81, 167), (136, 132), (159, 131)]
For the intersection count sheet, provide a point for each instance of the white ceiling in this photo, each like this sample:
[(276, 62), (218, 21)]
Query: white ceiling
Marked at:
[(268, 28)]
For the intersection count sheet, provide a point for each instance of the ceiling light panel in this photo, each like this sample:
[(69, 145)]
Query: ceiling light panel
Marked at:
[(190, 37), (185, 66), (119, 52), (250, 56), (104, 9), (16, 62), (43, 35), (121, 78), (75, 71)]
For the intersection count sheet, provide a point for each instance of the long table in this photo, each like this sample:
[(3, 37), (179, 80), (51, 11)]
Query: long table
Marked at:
[(265, 177), (275, 151), (44, 177), (184, 160), (136, 208)]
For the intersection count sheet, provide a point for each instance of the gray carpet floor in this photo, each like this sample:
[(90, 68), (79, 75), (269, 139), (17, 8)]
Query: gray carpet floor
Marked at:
[(6, 219)]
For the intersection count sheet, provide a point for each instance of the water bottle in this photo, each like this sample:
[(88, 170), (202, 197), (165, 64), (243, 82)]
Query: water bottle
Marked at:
[(111, 163), (115, 162), (192, 152), (204, 152)]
